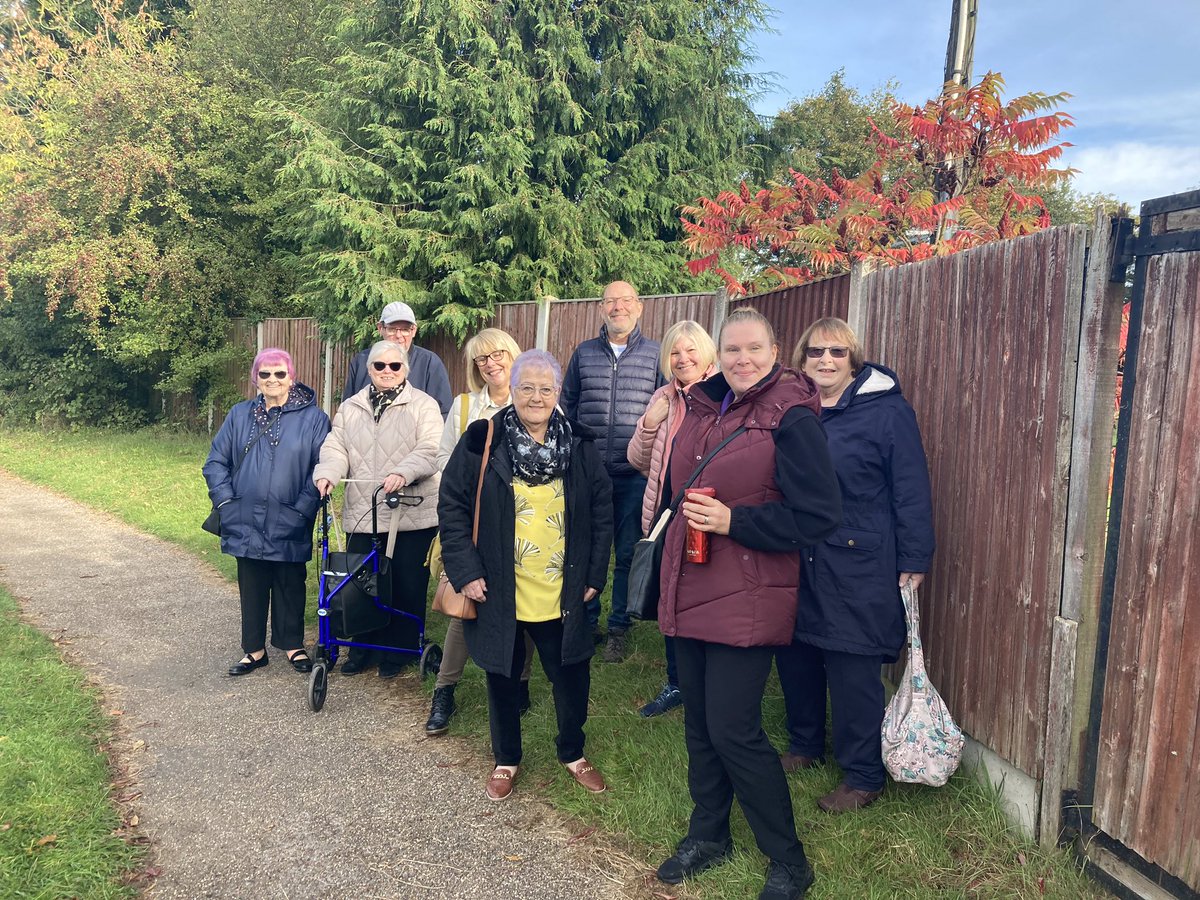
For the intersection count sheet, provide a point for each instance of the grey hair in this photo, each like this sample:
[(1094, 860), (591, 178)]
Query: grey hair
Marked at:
[(535, 359), (381, 347)]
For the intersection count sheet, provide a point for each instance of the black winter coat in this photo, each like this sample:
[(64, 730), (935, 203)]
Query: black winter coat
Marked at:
[(850, 595), (272, 502), (609, 393), (588, 495)]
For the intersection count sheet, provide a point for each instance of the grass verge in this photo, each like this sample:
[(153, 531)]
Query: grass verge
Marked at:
[(57, 819), (914, 842)]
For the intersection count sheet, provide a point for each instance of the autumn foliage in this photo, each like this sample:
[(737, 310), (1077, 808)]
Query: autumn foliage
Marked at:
[(963, 171)]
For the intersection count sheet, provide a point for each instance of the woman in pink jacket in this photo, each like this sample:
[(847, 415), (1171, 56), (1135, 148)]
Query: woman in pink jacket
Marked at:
[(688, 356)]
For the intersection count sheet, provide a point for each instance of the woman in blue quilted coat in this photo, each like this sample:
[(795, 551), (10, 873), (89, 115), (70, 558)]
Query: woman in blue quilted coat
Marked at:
[(259, 477), (851, 618)]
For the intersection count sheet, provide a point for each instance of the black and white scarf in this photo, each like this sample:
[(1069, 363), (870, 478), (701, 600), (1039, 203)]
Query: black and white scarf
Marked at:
[(536, 463), (381, 400)]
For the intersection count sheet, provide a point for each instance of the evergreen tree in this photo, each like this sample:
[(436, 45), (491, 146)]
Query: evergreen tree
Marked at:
[(458, 153)]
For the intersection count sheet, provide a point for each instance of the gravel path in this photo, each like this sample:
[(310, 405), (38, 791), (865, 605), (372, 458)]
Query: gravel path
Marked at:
[(243, 791)]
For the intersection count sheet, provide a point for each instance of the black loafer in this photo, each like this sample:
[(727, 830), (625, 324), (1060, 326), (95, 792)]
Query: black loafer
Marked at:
[(693, 857), (248, 664), (354, 666), (301, 661)]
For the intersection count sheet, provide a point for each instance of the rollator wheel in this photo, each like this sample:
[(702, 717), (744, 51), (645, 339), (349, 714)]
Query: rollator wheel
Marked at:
[(318, 686), (431, 660)]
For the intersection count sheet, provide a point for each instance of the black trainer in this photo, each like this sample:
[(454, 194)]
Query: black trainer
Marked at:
[(786, 882), (440, 711), (692, 857)]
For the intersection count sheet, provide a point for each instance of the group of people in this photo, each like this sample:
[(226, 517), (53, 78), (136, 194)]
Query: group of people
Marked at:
[(807, 482)]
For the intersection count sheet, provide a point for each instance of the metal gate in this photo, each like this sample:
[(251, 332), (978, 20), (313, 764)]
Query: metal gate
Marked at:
[(1140, 794)]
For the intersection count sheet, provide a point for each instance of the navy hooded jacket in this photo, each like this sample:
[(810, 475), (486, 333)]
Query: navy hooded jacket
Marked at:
[(272, 502), (609, 393), (849, 593)]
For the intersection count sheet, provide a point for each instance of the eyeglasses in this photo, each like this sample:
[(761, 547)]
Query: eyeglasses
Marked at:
[(380, 366), (528, 390), (609, 302), (497, 355), (279, 375), (818, 352), (400, 327)]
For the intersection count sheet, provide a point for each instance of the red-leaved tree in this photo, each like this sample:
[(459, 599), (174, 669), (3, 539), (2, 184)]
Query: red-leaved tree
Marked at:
[(964, 171)]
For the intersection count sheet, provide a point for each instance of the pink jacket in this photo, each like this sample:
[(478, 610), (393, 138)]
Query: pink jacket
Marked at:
[(650, 449)]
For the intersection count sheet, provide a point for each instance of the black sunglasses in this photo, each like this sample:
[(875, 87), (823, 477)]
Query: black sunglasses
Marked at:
[(279, 374), (394, 366), (818, 352)]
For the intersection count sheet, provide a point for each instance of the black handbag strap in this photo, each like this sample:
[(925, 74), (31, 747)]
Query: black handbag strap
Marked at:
[(700, 468)]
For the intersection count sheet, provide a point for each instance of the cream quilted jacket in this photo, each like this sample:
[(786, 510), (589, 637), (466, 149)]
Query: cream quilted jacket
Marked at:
[(404, 442)]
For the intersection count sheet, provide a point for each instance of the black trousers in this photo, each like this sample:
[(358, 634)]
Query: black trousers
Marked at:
[(728, 751), (405, 586), (856, 693), (572, 684), (279, 587)]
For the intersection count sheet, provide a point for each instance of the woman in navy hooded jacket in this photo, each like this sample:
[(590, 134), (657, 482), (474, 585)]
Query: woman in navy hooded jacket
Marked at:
[(851, 618), (259, 475)]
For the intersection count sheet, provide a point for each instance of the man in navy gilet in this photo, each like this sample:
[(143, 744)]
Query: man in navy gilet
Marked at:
[(607, 386), (425, 369)]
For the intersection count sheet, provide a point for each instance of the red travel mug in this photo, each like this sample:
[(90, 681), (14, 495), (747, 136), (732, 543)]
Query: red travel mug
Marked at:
[(696, 543)]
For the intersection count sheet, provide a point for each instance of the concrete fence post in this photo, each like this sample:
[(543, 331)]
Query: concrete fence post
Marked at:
[(258, 338), (856, 313), (327, 385), (719, 311), (542, 334)]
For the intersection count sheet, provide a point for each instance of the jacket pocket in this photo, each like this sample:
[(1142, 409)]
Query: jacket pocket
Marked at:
[(855, 539)]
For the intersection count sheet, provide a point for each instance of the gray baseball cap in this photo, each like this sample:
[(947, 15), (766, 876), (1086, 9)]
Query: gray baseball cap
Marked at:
[(397, 312)]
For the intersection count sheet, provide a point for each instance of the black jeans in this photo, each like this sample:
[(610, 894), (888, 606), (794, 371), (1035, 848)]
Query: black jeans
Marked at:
[(627, 492), (728, 751), (572, 684), (856, 694), (278, 586), (405, 587)]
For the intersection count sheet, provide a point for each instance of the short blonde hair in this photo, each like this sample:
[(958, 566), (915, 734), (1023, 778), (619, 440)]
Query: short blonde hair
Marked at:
[(836, 329), (487, 341), (694, 332)]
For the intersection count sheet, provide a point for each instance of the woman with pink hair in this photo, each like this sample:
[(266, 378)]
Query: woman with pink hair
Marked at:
[(259, 474)]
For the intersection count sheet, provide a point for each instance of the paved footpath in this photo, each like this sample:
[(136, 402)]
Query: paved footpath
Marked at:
[(244, 791)]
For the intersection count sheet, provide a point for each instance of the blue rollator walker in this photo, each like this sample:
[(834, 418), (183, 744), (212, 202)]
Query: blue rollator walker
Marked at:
[(349, 603)]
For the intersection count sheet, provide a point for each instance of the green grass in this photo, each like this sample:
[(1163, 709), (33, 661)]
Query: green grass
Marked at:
[(914, 842), (57, 821)]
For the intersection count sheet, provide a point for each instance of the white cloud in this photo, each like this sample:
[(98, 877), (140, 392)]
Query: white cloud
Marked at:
[(1134, 171)]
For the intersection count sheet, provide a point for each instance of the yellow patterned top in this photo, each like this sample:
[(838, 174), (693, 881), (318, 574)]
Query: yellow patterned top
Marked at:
[(541, 544)]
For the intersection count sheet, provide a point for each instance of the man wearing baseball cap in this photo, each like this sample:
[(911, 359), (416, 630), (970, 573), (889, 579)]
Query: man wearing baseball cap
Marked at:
[(425, 369)]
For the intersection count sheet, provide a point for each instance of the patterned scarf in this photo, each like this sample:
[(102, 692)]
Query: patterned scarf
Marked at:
[(381, 400), (269, 420), (536, 463)]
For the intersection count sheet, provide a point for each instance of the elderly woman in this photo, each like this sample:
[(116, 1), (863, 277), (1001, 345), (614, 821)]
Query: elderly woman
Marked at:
[(776, 492), (545, 532), (851, 617), (688, 356), (388, 433), (489, 358), (258, 477)]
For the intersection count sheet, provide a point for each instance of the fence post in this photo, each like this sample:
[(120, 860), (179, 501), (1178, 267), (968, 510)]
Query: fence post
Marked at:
[(856, 312), (258, 338), (720, 311), (541, 338), (327, 387)]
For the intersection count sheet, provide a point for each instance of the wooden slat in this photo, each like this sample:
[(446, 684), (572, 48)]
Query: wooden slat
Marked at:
[(792, 309)]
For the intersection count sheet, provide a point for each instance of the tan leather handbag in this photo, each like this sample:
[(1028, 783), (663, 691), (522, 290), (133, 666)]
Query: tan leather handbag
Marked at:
[(447, 600)]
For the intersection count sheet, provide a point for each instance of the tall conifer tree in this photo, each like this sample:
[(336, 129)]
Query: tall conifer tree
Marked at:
[(463, 152)]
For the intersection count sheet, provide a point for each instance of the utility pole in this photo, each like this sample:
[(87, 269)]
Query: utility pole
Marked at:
[(960, 56)]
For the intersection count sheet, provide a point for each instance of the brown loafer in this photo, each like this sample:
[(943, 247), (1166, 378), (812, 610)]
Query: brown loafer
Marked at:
[(500, 784), (794, 762), (588, 776), (844, 798)]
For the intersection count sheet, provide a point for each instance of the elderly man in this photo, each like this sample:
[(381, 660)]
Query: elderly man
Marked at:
[(425, 369), (607, 386)]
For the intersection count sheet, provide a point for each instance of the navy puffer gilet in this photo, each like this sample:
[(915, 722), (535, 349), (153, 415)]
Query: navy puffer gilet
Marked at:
[(608, 393)]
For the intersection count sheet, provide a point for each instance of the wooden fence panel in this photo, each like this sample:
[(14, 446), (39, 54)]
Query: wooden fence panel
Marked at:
[(792, 309), (302, 339), (519, 320), (985, 343), (1147, 792), (577, 320)]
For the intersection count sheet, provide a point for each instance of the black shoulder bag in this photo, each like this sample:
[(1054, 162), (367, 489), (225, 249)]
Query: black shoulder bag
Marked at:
[(212, 522), (642, 596)]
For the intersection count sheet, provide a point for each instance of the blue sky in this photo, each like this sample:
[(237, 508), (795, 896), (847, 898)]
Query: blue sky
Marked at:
[(1133, 70)]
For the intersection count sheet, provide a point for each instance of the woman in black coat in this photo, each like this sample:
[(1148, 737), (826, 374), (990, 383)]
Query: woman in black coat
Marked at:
[(545, 532), (851, 618)]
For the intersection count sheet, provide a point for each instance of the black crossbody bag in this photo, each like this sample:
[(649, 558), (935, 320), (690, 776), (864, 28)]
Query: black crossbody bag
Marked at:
[(642, 596), (212, 522)]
